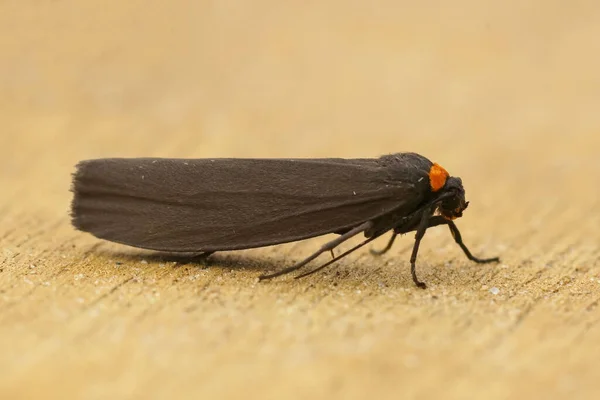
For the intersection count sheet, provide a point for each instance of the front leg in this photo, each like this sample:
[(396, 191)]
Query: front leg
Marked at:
[(439, 220), (427, 221), (458, 239)]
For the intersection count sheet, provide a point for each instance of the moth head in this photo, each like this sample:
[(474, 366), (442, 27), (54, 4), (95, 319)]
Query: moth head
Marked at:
[(453, 203)]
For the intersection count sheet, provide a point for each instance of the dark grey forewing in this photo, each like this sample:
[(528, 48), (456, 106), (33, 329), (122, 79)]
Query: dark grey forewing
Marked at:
[(227, 204)]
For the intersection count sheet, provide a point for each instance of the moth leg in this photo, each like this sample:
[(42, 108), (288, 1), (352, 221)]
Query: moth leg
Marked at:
[(326, 247), (203, 255), (430, 223), (458, 239), (332, 254), (344, 254), (406, 225), (423, 225), (439, 220), (386, 248)]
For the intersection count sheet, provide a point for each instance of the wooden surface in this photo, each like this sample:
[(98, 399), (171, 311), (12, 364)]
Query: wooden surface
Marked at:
[(502, 94)]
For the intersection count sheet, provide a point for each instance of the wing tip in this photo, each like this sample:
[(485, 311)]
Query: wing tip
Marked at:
[(77, 181)]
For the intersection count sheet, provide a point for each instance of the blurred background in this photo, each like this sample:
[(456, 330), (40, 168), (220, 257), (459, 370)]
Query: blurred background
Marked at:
[(506, 88), (504, 94)]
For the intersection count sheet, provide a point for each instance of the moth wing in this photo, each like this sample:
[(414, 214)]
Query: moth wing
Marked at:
[(195, 205)]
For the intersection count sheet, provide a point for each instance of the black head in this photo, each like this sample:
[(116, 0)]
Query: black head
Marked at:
[(453, 203)]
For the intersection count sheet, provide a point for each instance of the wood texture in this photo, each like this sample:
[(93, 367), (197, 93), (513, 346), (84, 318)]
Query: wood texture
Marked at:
[(503, 94)]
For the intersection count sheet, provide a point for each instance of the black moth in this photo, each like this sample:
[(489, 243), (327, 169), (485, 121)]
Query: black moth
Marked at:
[(208, 205)]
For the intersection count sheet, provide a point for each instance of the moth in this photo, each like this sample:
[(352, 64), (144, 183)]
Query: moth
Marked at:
[(220, 204)]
